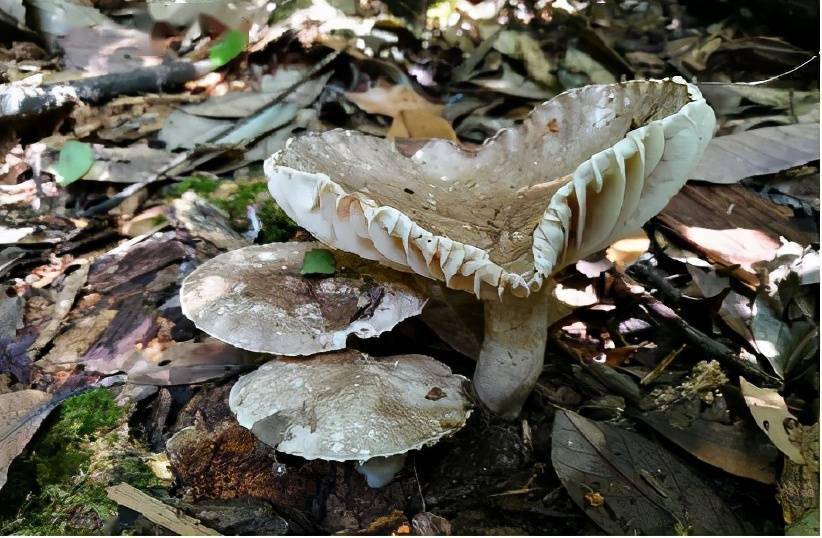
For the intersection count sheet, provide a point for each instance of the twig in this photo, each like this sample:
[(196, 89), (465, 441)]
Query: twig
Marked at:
[(419, 486), (157, 511), (665, 315), (646, 272), (21, 101), (662, 366), (758, 82)]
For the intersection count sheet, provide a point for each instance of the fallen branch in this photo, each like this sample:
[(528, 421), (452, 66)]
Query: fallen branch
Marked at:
[(18, 101), (179, 165), (621, 289), (158, 512)]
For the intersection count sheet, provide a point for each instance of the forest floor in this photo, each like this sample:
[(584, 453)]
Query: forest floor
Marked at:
[(680, 395)]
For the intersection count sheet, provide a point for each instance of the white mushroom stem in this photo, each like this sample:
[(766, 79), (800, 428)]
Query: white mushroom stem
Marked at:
[(513, 350), (380, 471)]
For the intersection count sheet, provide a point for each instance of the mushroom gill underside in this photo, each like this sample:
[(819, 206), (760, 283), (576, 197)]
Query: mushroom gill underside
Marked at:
[(530, 201)]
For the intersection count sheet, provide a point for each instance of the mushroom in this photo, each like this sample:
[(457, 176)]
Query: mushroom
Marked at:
[(347, 406), (584, 169), (256, 299)]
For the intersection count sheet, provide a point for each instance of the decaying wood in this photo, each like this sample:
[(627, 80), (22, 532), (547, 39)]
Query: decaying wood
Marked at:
[(731, 226), (158, 512)]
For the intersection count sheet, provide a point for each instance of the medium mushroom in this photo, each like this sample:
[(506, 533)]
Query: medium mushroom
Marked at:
[(583, 170), (256, 299), (347, 406)]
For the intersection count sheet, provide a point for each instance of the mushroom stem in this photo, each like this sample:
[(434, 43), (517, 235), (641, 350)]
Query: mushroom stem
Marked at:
[(380, 471), (510, 361)]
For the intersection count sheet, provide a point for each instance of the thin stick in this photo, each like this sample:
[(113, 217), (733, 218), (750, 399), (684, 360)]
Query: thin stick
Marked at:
[(759, 82), (419, 487)]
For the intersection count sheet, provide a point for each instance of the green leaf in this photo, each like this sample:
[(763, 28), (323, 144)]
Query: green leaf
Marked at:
[(75, 160), (318, 262), (228, 47)]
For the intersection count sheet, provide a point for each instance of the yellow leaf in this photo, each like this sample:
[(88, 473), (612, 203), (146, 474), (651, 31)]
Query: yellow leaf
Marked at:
[(392, 101), (628, 250), (423, 124)]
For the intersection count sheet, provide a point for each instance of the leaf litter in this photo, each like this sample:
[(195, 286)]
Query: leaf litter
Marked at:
[(685, 366)]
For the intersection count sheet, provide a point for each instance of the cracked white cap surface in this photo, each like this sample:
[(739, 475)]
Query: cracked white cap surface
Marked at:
[(255, 298), (349, 406)]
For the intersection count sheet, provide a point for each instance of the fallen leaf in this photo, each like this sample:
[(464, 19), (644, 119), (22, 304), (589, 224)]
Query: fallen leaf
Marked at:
[(242, 104), (183, 130), (726, 98), (512, 83), (183, 363), (626, 251), (58, 17), (318, 262), (76, 158), (774, 338), (133, 164), (522, 46), (274, 142), (738, 448), (645, 488), (772, 416), (228, 47), (421, 124), (393, 100), (13, 11), (709, 283), (577, 61), (107, 48), (759, 151)]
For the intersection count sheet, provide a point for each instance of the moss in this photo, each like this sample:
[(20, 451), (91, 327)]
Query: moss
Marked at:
[(59, 484), (87, 413), (134, 471), (201, 185), (63, 509), (235, 197), (276, 225), (59, 453)]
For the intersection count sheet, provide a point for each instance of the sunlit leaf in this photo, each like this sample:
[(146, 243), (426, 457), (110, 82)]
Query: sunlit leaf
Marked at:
[(228, 47), (75, 160), (318, 262)]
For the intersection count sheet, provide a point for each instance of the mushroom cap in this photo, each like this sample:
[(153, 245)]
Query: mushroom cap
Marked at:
[(584, 169), (349, 406), (255, 298)]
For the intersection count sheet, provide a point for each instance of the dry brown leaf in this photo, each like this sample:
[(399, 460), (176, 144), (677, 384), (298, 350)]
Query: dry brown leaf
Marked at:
[(391, 101), (421, 124), (626, 251)]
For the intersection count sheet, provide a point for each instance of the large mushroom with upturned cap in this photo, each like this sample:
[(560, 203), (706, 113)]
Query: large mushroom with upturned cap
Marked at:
[(583, 170)]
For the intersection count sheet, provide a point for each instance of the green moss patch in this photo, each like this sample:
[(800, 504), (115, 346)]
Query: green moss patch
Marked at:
[(58, 486), (234, 197)]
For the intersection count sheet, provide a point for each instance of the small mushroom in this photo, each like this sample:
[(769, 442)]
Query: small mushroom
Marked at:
[(256, 299), (583, 170), (346, 406)]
